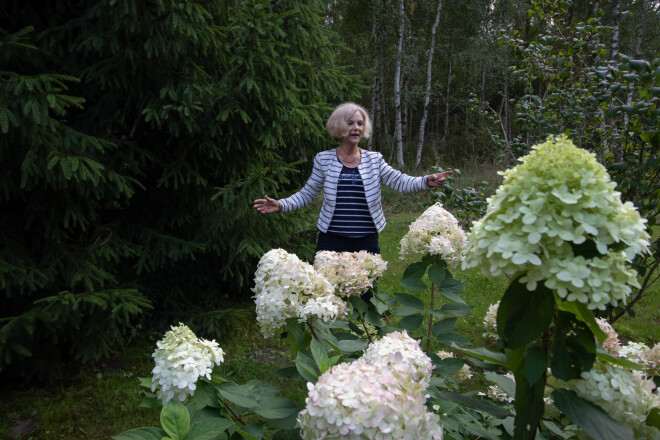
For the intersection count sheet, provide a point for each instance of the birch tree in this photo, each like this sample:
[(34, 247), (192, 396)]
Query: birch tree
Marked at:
[(397, 88), (427, 96)]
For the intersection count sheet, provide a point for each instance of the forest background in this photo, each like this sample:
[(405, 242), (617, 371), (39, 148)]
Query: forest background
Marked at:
[(134, 136)]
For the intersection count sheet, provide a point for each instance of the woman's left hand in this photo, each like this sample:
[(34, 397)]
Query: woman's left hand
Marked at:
[(438, 179)]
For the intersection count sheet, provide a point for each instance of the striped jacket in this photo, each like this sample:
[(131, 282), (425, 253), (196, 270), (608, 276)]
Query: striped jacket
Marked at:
[(374, 171)]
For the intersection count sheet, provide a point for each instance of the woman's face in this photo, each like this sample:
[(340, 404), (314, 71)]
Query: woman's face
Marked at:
[(355, 127)]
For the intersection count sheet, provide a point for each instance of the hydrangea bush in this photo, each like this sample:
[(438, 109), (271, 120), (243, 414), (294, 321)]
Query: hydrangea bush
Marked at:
[(181, 359), (351, 273), (557, 219), (435, 232), (399, 348), (286, 287), (381, 395)]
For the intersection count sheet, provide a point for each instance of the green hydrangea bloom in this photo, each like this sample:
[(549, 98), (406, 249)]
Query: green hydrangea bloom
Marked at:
[(557, 219)]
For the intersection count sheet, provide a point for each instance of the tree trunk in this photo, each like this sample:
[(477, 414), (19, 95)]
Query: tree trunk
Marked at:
[(374, 92), (616, 15), (397, 88), (427, 97), (446, 130)]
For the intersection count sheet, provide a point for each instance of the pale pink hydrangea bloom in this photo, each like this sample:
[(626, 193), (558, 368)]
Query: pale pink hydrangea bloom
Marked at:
[(490, 321), (461, 375), (399, 348), (650, 359), (625, 395), (351, 273), (494, 392), (286, 287), (611, 344), (361, 400), (435, 232), (181, 359)]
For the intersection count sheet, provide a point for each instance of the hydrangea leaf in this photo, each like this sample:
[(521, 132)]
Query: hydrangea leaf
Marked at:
[(573, 348), (529, 406), (592, 419), (482, 405), (535, 364), (175, 419), (412, 277), (208, 429), (411, 323), (446, 325), (523, 315)]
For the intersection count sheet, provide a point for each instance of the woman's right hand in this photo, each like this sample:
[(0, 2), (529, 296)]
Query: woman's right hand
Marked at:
[(267, 205)]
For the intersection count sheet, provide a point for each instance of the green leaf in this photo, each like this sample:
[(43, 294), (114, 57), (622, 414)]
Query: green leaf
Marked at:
[(208, 429), (622, 362), (447, 367), (353, 345), (151, 402), (453, 339), (591, 418), (379, 305), (535, 364), (358, 303), (523, 315), (412, 277), (456, 309), (141, 434), (653, 419), (437, 274), (482, 405), (486, 355), (373, 317), (306, 367), (573, 347), (411, 323), (585, 315), (239, 394), (446, 325), (253, 431), (529, 407), (450, 288), (175, 419), (320, 356), (408, 300), (276, 408)]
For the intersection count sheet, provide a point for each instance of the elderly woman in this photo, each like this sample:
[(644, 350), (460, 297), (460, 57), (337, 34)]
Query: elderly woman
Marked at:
[(352, 215)]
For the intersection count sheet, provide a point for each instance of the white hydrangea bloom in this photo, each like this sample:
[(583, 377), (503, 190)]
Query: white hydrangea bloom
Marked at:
[(286, 287), (435, 232), (461, 375), (490, 321), (399, 348), (625, 395), (557, 200), (351, 273), (181, 358), (611, 344), (633, 350), (494, 392), (361, 400)]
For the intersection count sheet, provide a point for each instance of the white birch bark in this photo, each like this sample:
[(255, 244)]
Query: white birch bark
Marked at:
[(397, 88), (427, 97)]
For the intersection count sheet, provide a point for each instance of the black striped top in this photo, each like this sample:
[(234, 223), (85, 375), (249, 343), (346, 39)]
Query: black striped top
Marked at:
[(351, 217)]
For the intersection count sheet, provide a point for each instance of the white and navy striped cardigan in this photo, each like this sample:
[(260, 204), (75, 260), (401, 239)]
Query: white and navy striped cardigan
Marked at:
[(374, 171)]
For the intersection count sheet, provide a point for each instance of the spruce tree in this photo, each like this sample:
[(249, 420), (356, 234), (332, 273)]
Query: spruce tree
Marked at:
[(128, 174)]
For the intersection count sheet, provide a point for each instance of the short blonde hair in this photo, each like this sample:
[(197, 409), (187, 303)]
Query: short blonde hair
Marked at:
[(337, 124)]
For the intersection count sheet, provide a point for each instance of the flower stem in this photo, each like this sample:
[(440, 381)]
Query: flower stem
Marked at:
[(364, 324), (311, 329), (428, 336), (233, 412)]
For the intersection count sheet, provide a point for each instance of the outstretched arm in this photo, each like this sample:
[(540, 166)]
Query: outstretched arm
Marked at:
[(267, 205)]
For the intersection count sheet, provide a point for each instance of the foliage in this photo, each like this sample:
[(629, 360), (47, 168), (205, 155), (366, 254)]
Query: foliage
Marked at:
[(127, 175)]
